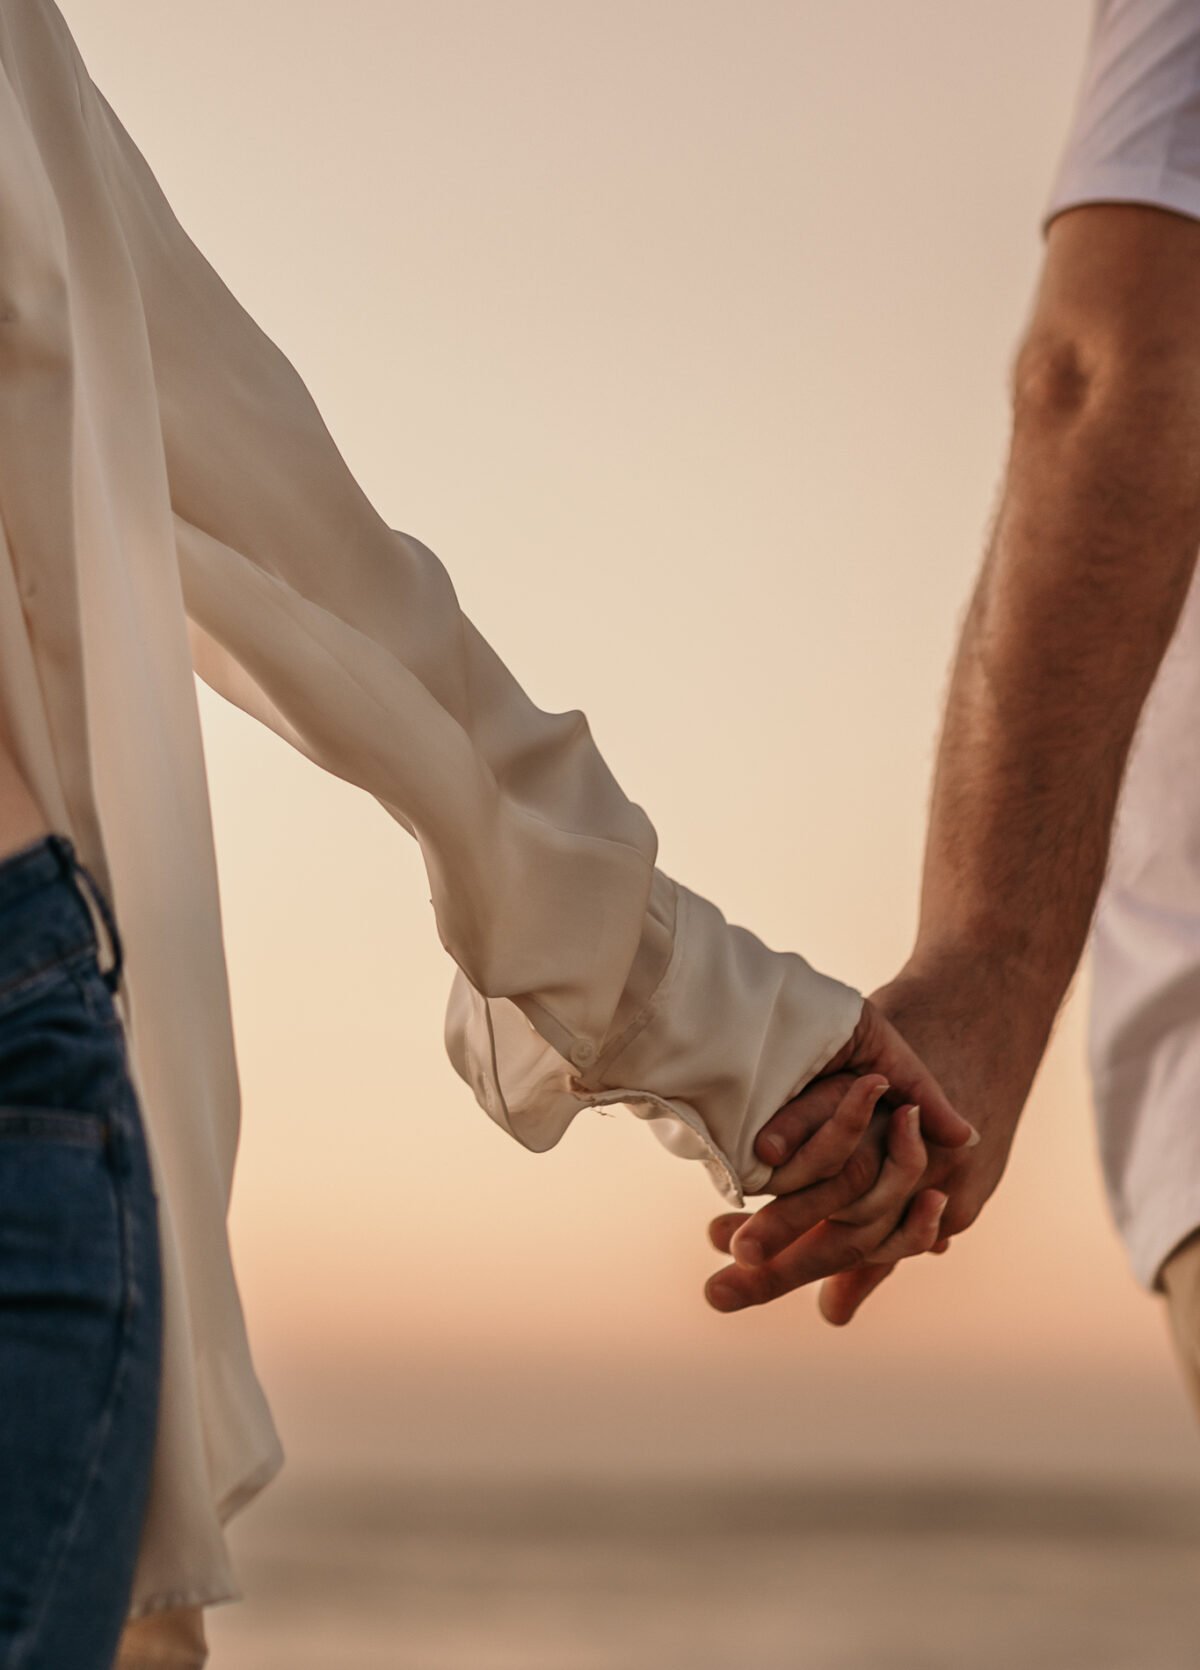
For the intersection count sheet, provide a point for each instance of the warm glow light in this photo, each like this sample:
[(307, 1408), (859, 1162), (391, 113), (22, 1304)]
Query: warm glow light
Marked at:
[(680, 332)]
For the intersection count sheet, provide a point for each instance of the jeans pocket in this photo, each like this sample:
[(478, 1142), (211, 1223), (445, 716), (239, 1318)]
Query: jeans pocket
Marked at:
[(59, 1053), (60, 1218)]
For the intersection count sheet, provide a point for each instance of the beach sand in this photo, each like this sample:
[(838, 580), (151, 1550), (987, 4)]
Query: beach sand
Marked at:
[(407, 1573)]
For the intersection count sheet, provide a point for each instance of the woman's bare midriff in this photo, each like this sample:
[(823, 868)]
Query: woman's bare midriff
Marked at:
[(21, 818)]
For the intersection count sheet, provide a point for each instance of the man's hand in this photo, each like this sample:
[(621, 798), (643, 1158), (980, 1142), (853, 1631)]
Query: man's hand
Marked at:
[(847, 1152), (832, 1123), (1091, 556), (968, 1020), (874, 1208)]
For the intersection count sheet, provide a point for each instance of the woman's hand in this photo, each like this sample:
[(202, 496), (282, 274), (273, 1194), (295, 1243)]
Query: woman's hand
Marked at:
[(982, 1033), (876, 1049), (871, 1209)]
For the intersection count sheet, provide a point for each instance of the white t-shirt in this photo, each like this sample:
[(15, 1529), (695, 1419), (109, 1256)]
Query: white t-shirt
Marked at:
[(1135, 137), (1135, 132)]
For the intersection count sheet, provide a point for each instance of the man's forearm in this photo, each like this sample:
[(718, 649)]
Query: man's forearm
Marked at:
[(1089, 563)]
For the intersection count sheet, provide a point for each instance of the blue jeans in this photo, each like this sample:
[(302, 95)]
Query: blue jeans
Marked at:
[(80, 1280)]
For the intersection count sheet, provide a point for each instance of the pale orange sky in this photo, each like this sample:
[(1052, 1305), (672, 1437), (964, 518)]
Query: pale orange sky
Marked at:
[(680, 331)]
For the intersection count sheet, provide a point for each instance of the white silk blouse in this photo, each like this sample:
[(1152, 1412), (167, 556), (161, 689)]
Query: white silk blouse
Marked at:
[(172, 504)]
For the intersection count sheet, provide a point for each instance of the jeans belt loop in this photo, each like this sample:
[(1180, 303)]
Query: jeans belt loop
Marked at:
[(72, 865)]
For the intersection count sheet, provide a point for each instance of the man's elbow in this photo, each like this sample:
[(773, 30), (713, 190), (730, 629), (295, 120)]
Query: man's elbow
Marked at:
[(1116, 320), (1142, 379)]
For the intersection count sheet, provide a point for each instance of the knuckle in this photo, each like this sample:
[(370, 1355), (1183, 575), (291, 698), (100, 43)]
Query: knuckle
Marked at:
[(825, 1166), (860, 1171), (769, 1242), (913, 1167)]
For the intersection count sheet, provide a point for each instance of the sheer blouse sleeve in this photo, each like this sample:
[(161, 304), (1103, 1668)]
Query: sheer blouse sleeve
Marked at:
[(585, 976)]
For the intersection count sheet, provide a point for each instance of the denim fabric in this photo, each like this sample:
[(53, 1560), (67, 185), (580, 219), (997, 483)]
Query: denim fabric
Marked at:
[(80, 1282)]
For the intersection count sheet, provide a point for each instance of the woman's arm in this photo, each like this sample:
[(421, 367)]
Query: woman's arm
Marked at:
[(586, 975)]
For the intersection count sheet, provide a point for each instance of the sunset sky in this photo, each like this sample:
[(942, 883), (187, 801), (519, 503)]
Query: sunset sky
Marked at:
[(680, 331)]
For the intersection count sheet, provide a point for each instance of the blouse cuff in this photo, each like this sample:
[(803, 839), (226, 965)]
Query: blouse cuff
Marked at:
[(714, 1032)]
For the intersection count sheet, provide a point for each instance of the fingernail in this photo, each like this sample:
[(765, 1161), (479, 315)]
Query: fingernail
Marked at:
[(913, 1116), (746, 1250), (773, 1147), (725, 1297), (974, 1139), (944, 1203)]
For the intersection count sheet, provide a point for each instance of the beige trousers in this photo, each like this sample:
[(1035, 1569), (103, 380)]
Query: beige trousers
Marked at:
[(1181, 1282)]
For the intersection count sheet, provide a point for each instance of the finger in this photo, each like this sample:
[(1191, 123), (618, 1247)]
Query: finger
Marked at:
[(940, 1120), (721, 1230), (796, 1120), (902, 1170), (842, 1294), (828, 1149), (919, 1231), (785, 1220), (824, 1250)]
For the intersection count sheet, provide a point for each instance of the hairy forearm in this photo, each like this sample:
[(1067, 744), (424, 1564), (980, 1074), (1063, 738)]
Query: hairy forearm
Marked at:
[(1089, 562)]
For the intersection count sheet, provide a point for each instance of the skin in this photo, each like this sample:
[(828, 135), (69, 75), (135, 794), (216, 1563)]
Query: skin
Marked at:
[(1091, 556), (856, 1162)]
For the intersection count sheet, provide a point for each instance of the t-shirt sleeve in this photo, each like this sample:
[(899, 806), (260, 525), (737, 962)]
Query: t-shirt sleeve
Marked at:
[(1134, 133)]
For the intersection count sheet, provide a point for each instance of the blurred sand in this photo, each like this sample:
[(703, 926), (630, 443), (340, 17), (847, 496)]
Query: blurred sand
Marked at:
[(410, 1574)]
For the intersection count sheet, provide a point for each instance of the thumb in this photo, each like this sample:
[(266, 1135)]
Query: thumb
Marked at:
[(908, 1075)]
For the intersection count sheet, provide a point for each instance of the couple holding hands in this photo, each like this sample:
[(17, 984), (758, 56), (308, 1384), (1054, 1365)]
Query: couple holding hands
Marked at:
[(173, 505)]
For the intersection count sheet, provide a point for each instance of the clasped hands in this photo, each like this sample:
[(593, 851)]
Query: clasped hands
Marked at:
[(872, 1162)]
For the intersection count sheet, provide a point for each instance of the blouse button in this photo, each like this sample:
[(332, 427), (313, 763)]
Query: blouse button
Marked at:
[(583, 1053)]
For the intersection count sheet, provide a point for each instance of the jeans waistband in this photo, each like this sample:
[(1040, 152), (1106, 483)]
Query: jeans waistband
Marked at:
[(38, 929)]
